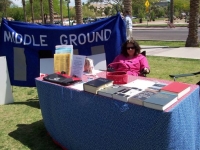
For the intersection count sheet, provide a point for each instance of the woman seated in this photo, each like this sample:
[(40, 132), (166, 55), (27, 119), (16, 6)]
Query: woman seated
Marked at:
[(131, 60)]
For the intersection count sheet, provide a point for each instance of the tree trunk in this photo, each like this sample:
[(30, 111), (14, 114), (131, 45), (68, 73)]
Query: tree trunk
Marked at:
[(78, 8), (32, 11), (171, 11), (128, 6), (51, 11), (24, 9), (5, 9), (192, 39), (42, 11)]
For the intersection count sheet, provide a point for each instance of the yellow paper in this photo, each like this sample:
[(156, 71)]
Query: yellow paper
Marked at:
[(62, 62)]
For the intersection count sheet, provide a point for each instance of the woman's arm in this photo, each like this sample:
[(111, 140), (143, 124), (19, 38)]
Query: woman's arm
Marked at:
[(144, 65), (117, 59)]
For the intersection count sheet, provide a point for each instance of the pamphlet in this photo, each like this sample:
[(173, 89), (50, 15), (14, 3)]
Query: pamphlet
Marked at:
[(78, 65), (62, 63), (63, 58)]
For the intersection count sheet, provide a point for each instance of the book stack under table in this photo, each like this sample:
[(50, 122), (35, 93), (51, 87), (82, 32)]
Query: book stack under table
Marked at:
[(151, 94)]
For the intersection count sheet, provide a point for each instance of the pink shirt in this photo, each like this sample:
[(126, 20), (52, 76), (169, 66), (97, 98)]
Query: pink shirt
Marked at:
[(133, 66)]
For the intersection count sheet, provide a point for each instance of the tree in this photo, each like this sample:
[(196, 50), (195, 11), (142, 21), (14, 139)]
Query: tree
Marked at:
[(32, 11), (181, 6), (78, 8), (192, 39), (128, 6), (42, 10), (107, 11), (16, 13), (51, 15), (4, 4), (24, 9)]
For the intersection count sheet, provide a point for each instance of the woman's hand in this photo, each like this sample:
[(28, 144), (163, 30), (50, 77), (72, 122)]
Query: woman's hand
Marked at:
[(146, 70)]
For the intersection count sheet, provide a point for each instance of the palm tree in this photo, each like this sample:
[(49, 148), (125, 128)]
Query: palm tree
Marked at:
[(42, 10), (51, 11), (128, 6), (24, 9), (192, 39), (32, 12), (78, 8)]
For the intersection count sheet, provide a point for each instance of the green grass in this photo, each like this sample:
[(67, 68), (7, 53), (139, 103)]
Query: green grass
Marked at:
[(163, 43), (22, 127), (162, 67)]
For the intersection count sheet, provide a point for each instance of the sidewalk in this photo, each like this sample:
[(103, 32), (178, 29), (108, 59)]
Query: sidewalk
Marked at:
[(150, 25), (181, 52)]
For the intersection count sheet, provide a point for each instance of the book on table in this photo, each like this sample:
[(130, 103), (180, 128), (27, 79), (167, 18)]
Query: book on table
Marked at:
[(109, 91), (178, 88), (126, 93), (157, 86), (97, 84), (139, 83), (160, 101), (140, 97)]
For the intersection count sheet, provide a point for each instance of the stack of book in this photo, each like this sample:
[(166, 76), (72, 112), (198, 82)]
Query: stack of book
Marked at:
[(126, 93), (167, 96), (97, 84), (160, 101), (109, 91), (155, 95), (178, 88), (157, 86), (139, 83), (141, 97)]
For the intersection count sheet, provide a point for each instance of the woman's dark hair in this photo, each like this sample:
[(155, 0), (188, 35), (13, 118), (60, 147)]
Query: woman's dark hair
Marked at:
[(135, 44)]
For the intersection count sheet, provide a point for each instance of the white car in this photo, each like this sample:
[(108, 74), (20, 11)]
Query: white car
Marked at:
[(66, 22)]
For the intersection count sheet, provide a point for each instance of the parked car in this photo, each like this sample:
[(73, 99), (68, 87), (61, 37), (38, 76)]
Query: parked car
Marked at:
[(88, 20), (66, 22)]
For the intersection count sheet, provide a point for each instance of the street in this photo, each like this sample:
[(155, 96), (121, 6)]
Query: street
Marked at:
[(177, 34)]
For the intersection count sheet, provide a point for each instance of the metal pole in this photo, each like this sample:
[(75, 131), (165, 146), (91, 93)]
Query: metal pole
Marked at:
[(61, 13), (68, 11)]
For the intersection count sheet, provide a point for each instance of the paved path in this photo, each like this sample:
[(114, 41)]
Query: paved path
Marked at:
[(181, 52), (176, 22)]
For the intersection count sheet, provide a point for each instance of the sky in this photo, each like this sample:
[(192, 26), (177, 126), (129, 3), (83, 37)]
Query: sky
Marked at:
[(19, 2)]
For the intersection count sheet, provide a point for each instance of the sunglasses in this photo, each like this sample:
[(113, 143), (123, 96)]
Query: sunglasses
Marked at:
[(130, 48)]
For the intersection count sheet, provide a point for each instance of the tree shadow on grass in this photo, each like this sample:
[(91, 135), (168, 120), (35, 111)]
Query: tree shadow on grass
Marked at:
[(34, 136), (30, 102)]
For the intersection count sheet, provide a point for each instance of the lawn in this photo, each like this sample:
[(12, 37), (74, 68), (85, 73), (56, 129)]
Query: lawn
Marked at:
[(22, 127)]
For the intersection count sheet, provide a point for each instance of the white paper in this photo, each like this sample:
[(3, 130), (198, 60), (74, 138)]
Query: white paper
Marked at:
[(78, 86), (99, 61), (78, 65), (6, 96)]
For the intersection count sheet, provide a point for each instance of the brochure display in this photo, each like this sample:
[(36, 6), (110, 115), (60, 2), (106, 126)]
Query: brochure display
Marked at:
[(63, 58)]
